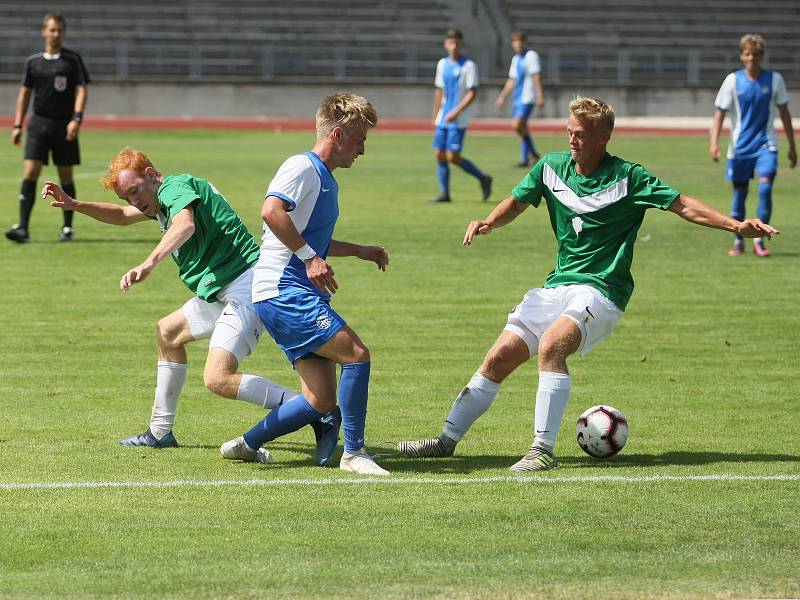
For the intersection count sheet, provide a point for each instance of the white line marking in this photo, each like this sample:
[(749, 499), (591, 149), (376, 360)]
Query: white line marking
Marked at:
[(181, 483)]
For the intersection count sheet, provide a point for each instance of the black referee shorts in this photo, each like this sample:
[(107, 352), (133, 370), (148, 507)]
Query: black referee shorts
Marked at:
[(46, 134)]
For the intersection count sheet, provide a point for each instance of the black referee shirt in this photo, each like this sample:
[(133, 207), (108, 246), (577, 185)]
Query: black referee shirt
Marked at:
[(54, 80)]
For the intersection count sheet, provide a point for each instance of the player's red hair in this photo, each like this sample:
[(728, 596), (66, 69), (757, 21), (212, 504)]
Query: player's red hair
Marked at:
[(127, 158)]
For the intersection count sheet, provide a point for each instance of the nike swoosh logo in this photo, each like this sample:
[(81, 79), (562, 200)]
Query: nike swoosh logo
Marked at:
[(326, 189)]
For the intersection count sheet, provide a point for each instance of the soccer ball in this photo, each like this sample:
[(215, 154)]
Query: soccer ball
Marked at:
[(602, 431)]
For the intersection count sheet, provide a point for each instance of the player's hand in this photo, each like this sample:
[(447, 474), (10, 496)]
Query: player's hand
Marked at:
[(320, 274), (60, 197), (540, 104), (792, 157), (752, 228), (714, 152), (16, 136), (476, 228), (375, 254), (499, 102), (451, 116), (135, 275), (72, 130)]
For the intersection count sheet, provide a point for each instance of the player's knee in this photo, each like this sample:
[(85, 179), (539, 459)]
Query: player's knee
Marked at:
[(214, 381), (454, 157), (498, 364), (441, 156), (361, 354), (166, 335), (553, 350)]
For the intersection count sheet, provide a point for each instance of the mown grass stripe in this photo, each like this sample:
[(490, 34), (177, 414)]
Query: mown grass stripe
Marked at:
[(71, 485)]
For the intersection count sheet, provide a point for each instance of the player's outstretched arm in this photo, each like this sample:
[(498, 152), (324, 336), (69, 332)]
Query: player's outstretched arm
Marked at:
[(700, 213), (376, 254), (179, 232), (505, 212), (105, 212)]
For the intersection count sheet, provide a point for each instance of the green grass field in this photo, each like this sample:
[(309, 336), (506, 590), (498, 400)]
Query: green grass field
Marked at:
[(702, 503)]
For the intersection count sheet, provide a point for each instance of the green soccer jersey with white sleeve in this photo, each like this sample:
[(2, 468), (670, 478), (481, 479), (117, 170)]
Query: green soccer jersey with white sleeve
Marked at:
[(595, 218), (221, 247)]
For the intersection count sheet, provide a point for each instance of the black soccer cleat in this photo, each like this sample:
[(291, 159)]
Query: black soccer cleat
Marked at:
[(18, 234)]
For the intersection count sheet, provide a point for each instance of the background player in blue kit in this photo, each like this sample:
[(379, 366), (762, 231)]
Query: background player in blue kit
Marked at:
[(57, 78), (293, 283), (752, 94), (456, 88), (525, 84)]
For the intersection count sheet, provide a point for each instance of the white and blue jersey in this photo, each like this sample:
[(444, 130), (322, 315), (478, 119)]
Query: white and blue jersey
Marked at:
[(752, 104), (455, 78), (523, 68), (307, 186)]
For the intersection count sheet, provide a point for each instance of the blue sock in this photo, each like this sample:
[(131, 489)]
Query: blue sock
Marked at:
[(289, 416), (443, 173), (737, 207), (470, 168), (353, 395), (765, 201), (528, 148)]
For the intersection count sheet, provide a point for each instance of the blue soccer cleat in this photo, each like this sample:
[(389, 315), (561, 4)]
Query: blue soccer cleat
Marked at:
[(326, 430), (147, 439)]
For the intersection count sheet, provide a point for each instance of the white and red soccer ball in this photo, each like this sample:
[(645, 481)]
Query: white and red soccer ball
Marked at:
[(602, 431)]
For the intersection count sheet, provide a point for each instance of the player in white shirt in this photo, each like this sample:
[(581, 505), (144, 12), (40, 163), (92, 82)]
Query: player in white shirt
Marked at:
[(751, 95), (525, 85), (293, 283), (456, 88)]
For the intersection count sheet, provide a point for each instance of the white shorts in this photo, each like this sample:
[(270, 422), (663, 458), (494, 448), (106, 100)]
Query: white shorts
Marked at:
[(231, 322), (592, 312)]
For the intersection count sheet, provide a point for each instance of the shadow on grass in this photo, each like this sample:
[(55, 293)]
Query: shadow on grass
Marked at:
[(468, 464)]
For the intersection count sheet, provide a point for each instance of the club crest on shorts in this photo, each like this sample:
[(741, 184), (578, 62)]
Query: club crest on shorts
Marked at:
[(323, 322), (60, 83)]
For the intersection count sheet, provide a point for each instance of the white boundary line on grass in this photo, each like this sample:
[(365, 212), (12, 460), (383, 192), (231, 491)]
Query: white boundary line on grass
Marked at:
[(180, 483)]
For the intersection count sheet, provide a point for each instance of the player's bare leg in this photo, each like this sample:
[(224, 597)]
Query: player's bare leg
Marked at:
[(561, 339)]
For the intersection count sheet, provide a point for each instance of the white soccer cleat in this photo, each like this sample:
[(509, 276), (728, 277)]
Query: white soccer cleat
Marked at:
[(238, 450), (362, 463)]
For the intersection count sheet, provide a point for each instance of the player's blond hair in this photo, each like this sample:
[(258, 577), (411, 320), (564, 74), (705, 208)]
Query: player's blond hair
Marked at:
[(127, 158), (753, 42), (593, 109), (344, 110), (54, 16)]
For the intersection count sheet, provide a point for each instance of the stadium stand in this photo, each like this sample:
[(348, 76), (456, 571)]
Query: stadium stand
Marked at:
[(608, 41)]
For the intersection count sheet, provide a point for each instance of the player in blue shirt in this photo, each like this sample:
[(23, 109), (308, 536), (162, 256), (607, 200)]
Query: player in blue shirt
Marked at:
[(293, 283), (752, 94), (456, 88), (525, 85)]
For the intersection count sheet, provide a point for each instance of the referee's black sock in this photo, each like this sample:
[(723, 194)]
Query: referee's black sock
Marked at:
[(27, 198), (69, 189)]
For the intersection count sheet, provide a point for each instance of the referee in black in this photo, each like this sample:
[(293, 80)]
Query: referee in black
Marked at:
[(58, 79)]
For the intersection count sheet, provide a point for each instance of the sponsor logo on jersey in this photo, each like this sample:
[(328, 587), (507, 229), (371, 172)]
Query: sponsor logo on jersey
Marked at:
[(60, 83), (324, 322)]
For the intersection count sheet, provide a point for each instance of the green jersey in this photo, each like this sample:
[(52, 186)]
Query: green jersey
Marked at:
[(595, 218), (221, 247)]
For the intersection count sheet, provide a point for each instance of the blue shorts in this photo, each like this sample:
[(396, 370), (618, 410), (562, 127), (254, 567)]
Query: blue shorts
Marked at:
[(740, 170), (299, 321), (522, 110), (449, 138)]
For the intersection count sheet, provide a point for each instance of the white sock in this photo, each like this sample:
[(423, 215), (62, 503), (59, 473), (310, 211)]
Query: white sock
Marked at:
[(472, 402), (551, 401), (262, 392), (169, 383)]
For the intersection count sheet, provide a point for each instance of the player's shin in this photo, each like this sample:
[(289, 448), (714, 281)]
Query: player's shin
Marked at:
[(286, 418), (551, 401), (169, 383), (262, 392), (474, 400), (353, 397)]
